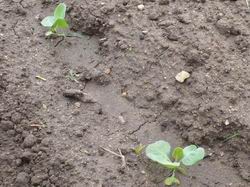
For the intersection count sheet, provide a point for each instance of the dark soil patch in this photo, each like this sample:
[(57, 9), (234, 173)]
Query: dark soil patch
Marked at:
[(115, 88)]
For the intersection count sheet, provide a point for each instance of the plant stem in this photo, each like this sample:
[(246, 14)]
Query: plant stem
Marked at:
[(173, 173)]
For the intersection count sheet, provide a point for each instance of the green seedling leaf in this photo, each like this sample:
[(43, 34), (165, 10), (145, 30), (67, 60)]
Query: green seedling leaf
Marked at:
[(138, 149), (48, 21), (57, 21), (60, 24), (159, 152), (178, 153), (171, 180), (60, 11), (192, 155)]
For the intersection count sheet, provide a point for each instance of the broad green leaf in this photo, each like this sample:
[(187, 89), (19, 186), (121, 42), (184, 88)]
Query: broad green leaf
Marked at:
[(138, 149), (171, 180), (48, 21), (159, 152), (189, 148), (192, 155), (60, 11), (60, 24), (178, 153)]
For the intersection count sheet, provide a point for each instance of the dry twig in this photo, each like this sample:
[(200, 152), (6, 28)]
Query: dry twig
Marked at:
[(120, 155)]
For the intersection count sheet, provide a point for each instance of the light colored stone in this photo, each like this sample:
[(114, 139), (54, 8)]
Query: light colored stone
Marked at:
[(182, 76), (141, 7)]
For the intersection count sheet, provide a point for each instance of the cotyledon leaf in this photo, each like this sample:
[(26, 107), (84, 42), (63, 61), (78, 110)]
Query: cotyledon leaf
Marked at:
[(61, 24), (48, 21), (192, 155), (159, 152), (60, 11)]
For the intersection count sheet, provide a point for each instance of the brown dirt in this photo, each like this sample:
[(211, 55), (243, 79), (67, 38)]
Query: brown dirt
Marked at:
[(125, 92)]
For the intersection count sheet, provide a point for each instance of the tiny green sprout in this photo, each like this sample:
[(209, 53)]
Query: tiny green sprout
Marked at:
[(160, 152), (57, 21), (138, 149), (72, 75)]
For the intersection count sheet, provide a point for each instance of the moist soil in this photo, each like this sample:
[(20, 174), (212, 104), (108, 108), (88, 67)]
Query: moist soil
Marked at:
[(64, 103)]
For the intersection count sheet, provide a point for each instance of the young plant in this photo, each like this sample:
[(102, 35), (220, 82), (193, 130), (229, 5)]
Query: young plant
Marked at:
[(160, 152), (57, 21)]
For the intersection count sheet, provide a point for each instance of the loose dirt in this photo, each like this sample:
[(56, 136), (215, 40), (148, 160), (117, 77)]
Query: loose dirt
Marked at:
[(115, 88)]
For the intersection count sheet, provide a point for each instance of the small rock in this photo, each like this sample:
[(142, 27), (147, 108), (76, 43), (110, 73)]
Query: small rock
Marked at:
[(124, 94), (38, 179), (11, 132), (6, 125), (18, 162), (16, 117), (143, 172), (154, 16), (222, 154), (182, 76), (73, 93), (184, 18), (22, 179), (29, 141), (122, 120), (79, 133), (78, 104), (26, 157), (163, 2), (227, 122), (141, 7), (46, 142)]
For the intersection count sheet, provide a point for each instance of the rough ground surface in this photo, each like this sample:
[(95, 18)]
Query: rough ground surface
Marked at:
[(115, 88)]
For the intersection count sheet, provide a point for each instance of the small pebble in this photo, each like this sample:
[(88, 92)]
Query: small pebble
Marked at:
[(22, 179), (143, 172), (122, 120), (182, 76), (141, 7), (78, 104), (222, 154), (29, 141)]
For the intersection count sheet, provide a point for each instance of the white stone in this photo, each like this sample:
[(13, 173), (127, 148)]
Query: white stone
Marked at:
[(182, 76), (140, 7)]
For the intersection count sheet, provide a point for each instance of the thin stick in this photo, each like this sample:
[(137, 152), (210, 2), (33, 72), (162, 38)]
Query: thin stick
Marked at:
[(247, 1), (63, 37), (120, 155)]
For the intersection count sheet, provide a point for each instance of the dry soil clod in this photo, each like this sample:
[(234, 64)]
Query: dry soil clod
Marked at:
[(78, 95)]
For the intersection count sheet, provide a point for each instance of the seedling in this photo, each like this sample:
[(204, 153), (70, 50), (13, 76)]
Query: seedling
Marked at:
[(73, 76), (57, 21), (160, 152), (138, 149)]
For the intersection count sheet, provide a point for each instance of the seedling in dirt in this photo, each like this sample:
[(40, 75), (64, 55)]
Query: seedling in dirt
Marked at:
[(138, 149), (72, 76), (160, 152), (57, 21)]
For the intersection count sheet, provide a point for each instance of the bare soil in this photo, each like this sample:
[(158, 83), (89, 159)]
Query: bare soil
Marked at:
[(115, 88)]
